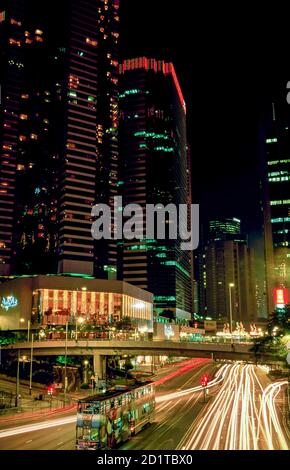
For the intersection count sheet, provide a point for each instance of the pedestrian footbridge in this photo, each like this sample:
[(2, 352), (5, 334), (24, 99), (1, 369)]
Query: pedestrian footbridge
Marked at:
[(235, 351)]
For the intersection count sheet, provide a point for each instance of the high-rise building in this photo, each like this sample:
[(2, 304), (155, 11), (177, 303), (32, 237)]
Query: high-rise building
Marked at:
[(227, 260), (59, 134), (155, 171), (224, 227), (276, 201)]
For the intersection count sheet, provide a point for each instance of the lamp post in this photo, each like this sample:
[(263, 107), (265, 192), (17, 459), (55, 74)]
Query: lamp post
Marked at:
[(17, 379), (80, 320), (31, 363), (65, 361), (231, 285), (86, 363)]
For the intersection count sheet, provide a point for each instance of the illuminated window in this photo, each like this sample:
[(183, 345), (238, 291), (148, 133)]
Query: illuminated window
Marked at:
[(22, 138), (24, 96), (39, 32), (74, 81), (15, 22), (91, 42), (280, 219), (23, 117), (38, 39), (20, 167), (271, 141), (14, 42), (34, 136)]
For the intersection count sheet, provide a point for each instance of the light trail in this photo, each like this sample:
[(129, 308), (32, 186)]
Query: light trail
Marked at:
[(237, 418), (241, 416), (166, 407), (37, 426), (273, 429), (186, 366), (199, 388)]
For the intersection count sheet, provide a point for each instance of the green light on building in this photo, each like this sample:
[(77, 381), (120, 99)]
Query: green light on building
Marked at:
[(133, 91), (110, 269), (271, 141), (164, 149), (164, 298), (83, 276), (178, 266), (280, 220), (280, 202)]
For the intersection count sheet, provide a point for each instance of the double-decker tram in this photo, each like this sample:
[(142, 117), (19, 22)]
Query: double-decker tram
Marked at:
[(110, 418)]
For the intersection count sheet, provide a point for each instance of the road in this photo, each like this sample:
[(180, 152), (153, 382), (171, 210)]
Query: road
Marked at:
[(242, 415), (242, 412), (61, 434)]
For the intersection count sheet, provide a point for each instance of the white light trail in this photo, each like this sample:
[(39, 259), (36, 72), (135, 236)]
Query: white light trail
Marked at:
[(37, 426), (237, 418)]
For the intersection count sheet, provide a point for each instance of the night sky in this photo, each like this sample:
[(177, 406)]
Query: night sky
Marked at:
[(230, 62)]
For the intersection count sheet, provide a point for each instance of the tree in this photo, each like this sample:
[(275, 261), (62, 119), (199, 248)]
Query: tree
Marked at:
[(125, 323), (280, 320)]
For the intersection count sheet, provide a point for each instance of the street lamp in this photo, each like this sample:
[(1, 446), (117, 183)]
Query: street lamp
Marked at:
[(86, 363), (31, 362), (231, 285), (65, 361), (17, 380)]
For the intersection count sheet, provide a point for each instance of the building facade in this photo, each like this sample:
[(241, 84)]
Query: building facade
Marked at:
[(276, 198), (56, 300), (155, 171), (58, 134), (226, 274)]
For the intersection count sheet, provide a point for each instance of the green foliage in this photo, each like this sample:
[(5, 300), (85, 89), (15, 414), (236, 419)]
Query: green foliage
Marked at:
[(7, 338), (84, 386), (278, 327), (125, 323)]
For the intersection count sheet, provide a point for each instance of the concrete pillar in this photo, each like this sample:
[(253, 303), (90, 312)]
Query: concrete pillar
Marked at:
[(100, 366)]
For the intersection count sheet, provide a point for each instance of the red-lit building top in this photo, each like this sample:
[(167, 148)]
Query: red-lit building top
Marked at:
[(167, 68)]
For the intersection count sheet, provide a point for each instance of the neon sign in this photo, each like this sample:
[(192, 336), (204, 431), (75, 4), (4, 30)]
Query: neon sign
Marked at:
[(168, 331), (9, 302), (280, 296)]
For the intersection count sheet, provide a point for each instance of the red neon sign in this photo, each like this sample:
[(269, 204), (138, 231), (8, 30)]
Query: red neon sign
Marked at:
[(280, 296)]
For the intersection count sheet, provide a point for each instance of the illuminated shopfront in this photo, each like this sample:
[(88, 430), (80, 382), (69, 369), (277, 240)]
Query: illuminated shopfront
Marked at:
[(99, 308), (55, 300)]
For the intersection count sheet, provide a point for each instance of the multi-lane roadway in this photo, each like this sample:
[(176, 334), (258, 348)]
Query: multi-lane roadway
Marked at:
[(242, 411)]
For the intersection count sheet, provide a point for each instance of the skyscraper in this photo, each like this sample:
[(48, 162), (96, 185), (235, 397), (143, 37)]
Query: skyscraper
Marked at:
[(223, 228), (276, 200), (227, 260), (155, 170), (59, 136)]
